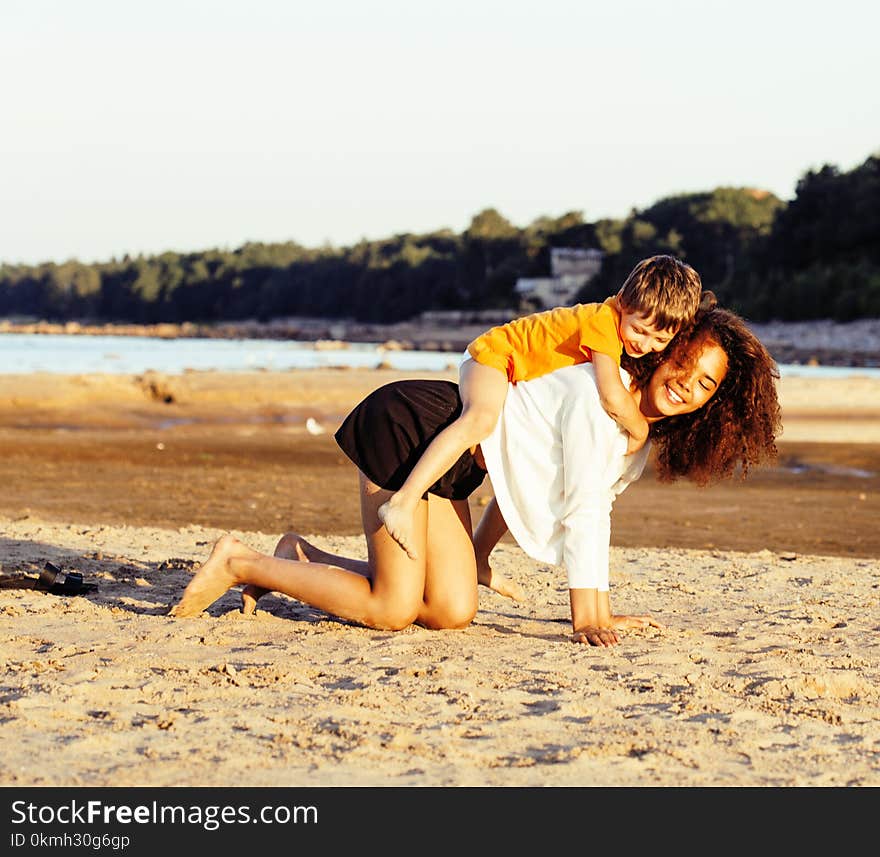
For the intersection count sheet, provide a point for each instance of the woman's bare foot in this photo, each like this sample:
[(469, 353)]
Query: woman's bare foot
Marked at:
[(398, 520), (497, 582), (212, 580), (290, 546)]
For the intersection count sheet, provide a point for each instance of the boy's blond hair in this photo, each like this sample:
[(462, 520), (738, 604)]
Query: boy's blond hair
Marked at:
[(663, 289)]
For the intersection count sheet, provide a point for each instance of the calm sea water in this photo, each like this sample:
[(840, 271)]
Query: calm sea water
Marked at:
[(127, 355)]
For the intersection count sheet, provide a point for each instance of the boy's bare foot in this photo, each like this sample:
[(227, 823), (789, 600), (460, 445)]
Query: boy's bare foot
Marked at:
[(211, 581), (398, 522), (497, 582), (290, 546)]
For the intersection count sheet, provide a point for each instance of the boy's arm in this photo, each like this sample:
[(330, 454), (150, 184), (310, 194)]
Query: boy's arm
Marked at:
[(618, 402)]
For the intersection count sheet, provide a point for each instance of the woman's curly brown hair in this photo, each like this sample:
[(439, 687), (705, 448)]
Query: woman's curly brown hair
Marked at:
[(737, 427)]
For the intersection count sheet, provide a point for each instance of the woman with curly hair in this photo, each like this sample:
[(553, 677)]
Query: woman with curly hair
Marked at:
[(711, 403), (556, 461), (734, 429)]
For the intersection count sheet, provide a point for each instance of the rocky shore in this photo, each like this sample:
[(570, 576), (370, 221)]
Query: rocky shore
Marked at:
[(824, 343), (821, 342)]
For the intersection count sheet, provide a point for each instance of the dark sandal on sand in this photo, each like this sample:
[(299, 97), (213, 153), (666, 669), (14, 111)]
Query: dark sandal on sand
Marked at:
[(57, 582)]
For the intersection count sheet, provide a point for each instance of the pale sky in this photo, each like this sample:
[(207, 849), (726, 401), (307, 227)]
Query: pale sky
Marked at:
[(185, 125)]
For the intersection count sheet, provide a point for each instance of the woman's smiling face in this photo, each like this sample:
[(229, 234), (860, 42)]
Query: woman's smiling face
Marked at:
[(675, 388)]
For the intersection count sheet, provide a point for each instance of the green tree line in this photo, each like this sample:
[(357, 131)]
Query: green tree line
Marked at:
[(815, 256)]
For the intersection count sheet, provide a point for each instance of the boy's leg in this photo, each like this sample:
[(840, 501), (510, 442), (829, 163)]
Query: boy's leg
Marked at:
[(482, 389)]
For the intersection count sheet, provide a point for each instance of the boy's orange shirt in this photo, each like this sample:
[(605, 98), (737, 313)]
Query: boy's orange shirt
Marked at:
[(536, 344)]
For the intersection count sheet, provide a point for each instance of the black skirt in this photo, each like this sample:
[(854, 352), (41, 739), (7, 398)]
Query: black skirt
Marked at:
[(387, 433)]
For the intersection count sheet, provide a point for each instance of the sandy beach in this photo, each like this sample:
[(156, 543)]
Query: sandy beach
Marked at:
[(766, 673)]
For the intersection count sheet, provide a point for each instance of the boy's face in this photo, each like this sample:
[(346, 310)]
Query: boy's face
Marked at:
[(640, 336)]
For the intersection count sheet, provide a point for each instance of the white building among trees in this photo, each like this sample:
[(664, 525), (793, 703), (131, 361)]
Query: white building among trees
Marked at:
[(571, 269)]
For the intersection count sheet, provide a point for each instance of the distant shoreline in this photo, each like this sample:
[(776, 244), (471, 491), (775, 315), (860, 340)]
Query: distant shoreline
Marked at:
[(821, 342)]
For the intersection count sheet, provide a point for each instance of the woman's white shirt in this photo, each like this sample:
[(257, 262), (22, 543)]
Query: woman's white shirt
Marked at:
[(557, 461)]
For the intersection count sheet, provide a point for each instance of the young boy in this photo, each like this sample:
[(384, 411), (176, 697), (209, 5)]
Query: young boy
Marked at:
[(660, 295)]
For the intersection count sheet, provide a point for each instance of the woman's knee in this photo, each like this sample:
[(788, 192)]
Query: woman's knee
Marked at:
[(449, 615), (393, 620), (392, 615)]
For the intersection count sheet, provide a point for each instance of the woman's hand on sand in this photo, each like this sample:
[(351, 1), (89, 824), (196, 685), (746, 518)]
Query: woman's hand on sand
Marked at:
[(593, 635), (606, 636)]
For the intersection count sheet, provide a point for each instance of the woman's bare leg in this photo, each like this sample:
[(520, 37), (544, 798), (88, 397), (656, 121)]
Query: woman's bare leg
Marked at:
[(391, 597), (294, 546), (450, 596), (482, 389), (490, 529)]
